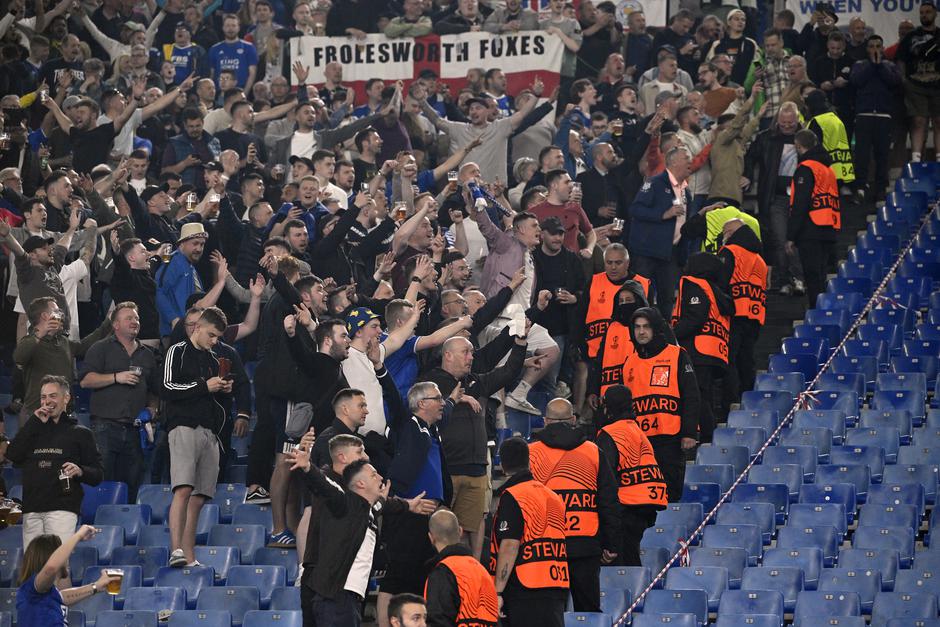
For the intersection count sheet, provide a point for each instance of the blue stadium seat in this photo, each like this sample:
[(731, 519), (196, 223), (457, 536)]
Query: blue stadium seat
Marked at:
[(780, 402), (777, 494), (587, 619), (879, 227), (94, 605), (814, 436), (751, 620), (867, 583), (237, 600), (288, 598), (916, 170), (264, 578), (854, 474), (831, 621), (220, 558), (251, 514), (886, 242), (887, 438), (614, 602), (843, 493), (678, 601), (688, 515), (752, 602), (919, 285), (818, 514), (924, 331), (8, 601), (900, 539), (712, 579), (922, 474), (657, 620), (655, 559), (898, 494), (926, 365), (720, 474), (815, 603), (105, 493), (192, 580), (787, 580), (847, 381), (10, 566), (139, 618), (903, 605), (918, 580), (871, 456), (898, 418), (737, 456), (753, 418), (853, 302), (132, 579), (247, 538), (832, 332), (747, 537), (823, 537), (288, 557), (890, 334), (848, 402), (158, 497), (262, 618), (884, 561), (895, 315), (733, 559), (154, 535), (818, 347), (881, 255), (106, 539), (847, 285), (831, 419), (751, 437), (859, 270), (200, 618), (913, 622), (130, 517), (914, 401), (805, 364), (150, 559), (789, 475), (666, 536), (11, 538), (862, 348), (228, 496), (81, 558), (876, 514), (921, 348), (791, 382), (759, 514), (804, 456), (705, 493)]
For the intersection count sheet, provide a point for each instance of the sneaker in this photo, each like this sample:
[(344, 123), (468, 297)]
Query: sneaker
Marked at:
[(562, 390), (283, 540), (799, 288), (177, 559), (258, 496), (194, 564), (521, 404), (787, 290)]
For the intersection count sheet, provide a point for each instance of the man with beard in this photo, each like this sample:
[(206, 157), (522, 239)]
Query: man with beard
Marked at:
[(601, 190), (178, 280), (238, 136), (456, 272)]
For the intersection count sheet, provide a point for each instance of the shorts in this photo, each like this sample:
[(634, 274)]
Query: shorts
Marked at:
[(194, 459), (921, 102), (470, 498), (279, 408)]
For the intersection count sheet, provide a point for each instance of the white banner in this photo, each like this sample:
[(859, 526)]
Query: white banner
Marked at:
[(882, 16)]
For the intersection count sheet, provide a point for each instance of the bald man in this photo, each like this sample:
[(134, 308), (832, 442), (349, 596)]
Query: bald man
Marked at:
[(580, 474), (459, 590)]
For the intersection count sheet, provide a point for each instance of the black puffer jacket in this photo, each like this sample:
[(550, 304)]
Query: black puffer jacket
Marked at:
[(695, 304)]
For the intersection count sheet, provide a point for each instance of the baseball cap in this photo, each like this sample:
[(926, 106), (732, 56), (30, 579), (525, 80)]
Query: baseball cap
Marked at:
[(34, 242), (358, 318), (214, 165), (184, 26), (149, 192), (553, 225), (304, 160), (71, 101), (479, 101)]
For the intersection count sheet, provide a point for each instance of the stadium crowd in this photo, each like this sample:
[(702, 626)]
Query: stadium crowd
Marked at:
[(381, 288)]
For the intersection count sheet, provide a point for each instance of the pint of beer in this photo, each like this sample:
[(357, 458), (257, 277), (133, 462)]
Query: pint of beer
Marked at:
[(114, 586)]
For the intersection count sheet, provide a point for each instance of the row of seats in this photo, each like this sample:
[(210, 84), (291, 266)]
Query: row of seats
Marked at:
[(181, 618)]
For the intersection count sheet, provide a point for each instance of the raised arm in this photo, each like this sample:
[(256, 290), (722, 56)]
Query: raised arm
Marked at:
[(112, 47), (516, 118), (61, 119), (166, 99)]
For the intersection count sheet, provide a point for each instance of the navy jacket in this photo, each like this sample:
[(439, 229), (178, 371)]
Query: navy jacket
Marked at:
[(877, 86), (650, 235)]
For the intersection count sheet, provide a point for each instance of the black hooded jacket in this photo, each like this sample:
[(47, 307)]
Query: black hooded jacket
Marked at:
[(688, 384), (799, 226), (696, 303), (564, 437)]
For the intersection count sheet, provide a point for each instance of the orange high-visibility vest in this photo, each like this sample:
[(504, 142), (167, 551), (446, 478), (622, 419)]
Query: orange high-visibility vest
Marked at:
[(712, 338), (601, 307), (654, 384), (476, 590), (748, 284), (542, 561), (825, 208), (641, 480), (572, 475), (618, 346)]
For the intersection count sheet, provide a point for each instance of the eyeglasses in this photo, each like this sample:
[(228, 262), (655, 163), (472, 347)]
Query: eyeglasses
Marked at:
[(432, 398)]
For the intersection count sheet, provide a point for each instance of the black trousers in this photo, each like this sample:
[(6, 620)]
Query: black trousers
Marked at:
[(671, 460), (872, 138), (707, 377), (306, 597), (525, 610), (813, 255), (664, 275), (584, 576), (741, 368), (263, 440), (634, 520)]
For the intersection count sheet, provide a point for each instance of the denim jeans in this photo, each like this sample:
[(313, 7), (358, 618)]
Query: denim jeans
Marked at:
[(786, 266), (121, 454), (343, 611)]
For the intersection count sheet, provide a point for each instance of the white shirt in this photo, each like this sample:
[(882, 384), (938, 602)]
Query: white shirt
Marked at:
[(358, 578), (124, 140), (217, 120), (303, 144), (71, 274), (360, 374), (335, 191)]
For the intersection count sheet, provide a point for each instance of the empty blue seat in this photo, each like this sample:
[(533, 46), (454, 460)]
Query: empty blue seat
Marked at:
[(132, 579), (247, 538), (871, 456), (922, 474), (876, 514), (857, 364), (787, 580), (220, 558), (251, 514), (150, 559), (200, 618), (844, 381), (747, 537), (848, 285), (842, 400), (753, 418), (919, 285), (656, 620), (916, 170), (831, 332), (913, 401), (631, 578), (264, 578), (899, 228), (288, 598), (890, 334), (867, 583), (712, 579), (886, 437), (81, 558), (818, 347), (831, 621), (751, 437), (898, 494), (881, 255), (678, 601), (209, 515), (876, 348), (731, 558), (155, 599), (10, 565), (237, 600), (924, 364), (915, 454), (791, 382), (287, 558), (139, 618), (777, 494), (94, 605), (587, 619), (655, 559), (154, 535), (130, 517), (737, 456), (903, 605), (761, 515), (854, 474), (614, 602), (752, 602), (924, 331), (815, 603), (918, 580), (751, 620), (896, 315), (790, 475), (913, 622), (900, 539), (191, 579), (921, 348), (688, 515), (808, 365), (843, 493), (106, 539), (813, 436), (262, 618), (666, 536), (898, 418), (228, 496), (916, 268), (831, 419), (824, 537), (105, 493), (721, 474), (705, 493), (780, 402), (871, 240), (818, 514), (859, 270), (850, 301), (804, 456), (884, 561)]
